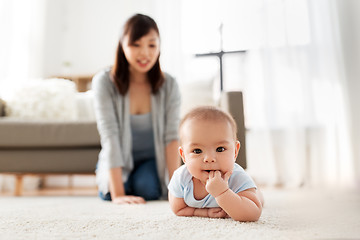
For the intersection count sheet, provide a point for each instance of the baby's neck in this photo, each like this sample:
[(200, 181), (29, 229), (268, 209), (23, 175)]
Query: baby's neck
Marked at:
[(198, 181), (199, 189)]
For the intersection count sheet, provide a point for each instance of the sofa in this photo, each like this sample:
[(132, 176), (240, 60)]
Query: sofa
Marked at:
[(48, 147), (72, 146)]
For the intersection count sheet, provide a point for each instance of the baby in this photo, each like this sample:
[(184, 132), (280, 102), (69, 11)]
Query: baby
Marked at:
[(210, 183)]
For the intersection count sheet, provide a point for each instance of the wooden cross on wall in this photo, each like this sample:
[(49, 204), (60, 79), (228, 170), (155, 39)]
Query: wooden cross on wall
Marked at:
[(220, 55), (237, 110)]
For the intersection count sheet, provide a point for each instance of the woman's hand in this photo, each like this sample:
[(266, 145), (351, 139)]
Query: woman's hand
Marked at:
[(216, 213), (128, 199)]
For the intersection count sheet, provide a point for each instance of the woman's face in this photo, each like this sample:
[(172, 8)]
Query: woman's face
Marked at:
[(143, 53)]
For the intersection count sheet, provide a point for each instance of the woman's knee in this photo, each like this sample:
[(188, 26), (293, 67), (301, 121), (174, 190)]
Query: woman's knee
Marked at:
[(145, 181), (148, 189)]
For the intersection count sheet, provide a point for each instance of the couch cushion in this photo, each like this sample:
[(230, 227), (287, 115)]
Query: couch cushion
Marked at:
[(25, 133), (49, 160)]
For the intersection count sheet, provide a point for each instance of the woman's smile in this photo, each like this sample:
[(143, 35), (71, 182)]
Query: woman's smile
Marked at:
[(143, 63)]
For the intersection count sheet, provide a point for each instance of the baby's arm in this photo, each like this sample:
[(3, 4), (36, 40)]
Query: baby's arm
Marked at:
[(244, 206), (179, 207)]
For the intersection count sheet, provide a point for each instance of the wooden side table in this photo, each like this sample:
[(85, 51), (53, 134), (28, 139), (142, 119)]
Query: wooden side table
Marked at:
[(82, 81)]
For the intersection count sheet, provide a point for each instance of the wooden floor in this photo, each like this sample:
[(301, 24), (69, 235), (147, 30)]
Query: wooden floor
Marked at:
[(67, 191)]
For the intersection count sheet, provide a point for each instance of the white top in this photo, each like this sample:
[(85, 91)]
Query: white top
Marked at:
[(182, 186)]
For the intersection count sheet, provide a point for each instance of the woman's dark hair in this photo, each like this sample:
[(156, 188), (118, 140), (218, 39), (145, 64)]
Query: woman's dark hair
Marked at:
[(136, 27)]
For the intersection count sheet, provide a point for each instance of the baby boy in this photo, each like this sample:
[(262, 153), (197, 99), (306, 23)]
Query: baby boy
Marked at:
[(210, 183)]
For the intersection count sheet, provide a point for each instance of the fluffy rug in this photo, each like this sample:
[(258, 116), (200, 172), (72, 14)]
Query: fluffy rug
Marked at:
[(301, 214)]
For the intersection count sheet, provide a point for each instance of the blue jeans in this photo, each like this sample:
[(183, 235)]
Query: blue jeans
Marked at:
[(143, 181)]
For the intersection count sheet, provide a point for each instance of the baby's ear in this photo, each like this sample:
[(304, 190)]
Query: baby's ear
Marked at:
[(237, 148), (181, 153)]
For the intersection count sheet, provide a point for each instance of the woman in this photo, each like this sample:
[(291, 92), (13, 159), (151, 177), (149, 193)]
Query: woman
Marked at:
[(137, 112)]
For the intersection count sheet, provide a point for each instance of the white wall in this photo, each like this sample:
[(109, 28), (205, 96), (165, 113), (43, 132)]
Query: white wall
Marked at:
[(349, 14), (85, 33)]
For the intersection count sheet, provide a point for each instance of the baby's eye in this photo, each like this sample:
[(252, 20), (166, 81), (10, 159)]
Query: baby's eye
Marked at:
[(220, 149), (197, 151), (152, 45), (135, 45)]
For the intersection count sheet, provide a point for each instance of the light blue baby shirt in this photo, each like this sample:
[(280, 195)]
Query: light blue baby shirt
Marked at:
[(181, 186)]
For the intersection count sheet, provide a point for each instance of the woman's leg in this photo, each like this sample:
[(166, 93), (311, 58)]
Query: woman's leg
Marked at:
[(105, 197), (144, 181)]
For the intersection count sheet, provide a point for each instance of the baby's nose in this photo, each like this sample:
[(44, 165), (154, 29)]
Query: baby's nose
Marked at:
[(209, 158)]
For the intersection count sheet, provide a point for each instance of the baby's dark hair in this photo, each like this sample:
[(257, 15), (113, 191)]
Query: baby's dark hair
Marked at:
[(209, 113)]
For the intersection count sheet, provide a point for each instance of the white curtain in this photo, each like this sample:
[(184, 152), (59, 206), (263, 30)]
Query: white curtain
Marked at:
[(293, 83), (295, 101), (21, 54), (21, 42)]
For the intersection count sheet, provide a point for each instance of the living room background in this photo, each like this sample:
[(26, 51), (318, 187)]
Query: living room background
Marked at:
[(299, 75)]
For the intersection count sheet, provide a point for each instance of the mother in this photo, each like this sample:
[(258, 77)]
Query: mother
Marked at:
[(137, 112)]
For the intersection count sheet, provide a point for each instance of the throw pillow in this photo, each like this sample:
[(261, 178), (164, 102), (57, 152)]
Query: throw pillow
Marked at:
[(49, 99)]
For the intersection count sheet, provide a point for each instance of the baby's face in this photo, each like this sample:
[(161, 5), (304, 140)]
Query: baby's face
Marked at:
[(208, 146)]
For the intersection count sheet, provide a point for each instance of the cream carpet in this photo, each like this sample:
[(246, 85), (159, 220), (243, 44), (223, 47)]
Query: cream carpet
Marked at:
[(301, 214)]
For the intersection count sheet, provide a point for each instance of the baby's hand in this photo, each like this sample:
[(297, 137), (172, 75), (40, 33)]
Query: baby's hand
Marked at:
[(216, 185), (216, 213)]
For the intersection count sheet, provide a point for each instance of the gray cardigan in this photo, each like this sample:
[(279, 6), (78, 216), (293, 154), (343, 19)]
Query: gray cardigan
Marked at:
[(113, 123)]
